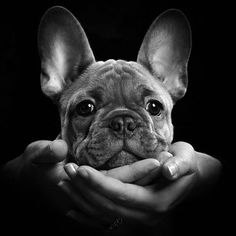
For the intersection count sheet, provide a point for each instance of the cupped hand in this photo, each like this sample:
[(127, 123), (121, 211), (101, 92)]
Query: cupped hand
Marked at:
[(130, 192), (39, 169)]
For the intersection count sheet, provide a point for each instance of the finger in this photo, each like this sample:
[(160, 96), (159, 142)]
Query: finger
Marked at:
[(209, 168), (119, 192), (70, 169), (94, 205), (182, 163), (132, 201), (172, 194), (108, 206), (59, 149), (153, 174), (164, 156), (78, 200), (89, 212), (149, 177), (47, 151), (135, 171)]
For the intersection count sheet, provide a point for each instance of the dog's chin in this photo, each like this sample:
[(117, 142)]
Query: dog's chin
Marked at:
[(122, 158)]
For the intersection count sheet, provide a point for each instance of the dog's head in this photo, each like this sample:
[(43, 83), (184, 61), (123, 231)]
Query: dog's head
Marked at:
[(114, 112)]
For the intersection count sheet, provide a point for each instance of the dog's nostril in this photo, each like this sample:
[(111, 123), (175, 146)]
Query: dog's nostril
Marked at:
[(123, 125), (117, 125), (130, 124)]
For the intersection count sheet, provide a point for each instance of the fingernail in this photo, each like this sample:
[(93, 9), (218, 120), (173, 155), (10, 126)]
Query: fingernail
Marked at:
[(172, 168), (59, 148), (70, 170), (82, 172), (156, 164)]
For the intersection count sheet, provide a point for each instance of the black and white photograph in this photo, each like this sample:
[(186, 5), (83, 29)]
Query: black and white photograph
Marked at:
[(117, 118)]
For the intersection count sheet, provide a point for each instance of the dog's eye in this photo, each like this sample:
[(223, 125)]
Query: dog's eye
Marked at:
[(85, 108), (154, 107)]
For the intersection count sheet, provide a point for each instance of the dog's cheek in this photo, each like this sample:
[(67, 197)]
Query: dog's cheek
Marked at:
[(81, 126), (75, 131), (152, 143), (164, 128), (167, 132)]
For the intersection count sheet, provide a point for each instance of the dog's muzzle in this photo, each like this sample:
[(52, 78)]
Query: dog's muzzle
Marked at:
[(123, 123)]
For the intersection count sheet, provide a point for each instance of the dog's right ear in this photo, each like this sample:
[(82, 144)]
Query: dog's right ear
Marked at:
[(166, 49), (64, 50)]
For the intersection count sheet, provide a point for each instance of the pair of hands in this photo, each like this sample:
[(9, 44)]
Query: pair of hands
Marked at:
[(132, 192)]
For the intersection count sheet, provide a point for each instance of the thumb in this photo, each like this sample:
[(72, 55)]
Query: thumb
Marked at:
[(182, 163), (47, 151)]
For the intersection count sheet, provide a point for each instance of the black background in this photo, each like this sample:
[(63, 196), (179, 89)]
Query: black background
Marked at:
[(116, 30)]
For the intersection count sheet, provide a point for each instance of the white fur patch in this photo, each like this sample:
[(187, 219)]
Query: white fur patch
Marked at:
[(59, 56), (56, 69)]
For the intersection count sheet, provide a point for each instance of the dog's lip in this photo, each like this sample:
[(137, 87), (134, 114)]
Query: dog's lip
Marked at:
[(124, 151)]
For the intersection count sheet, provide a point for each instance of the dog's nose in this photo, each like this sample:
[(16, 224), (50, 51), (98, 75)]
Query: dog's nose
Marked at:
[(123, 125)]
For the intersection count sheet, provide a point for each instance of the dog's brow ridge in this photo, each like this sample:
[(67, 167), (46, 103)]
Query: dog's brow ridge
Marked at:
[(96, 93)]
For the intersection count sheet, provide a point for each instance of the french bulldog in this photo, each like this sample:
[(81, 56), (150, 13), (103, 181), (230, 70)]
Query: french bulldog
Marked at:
[(116, 112)]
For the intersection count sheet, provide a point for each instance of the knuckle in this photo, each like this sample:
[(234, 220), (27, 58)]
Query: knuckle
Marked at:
[(186, 146)]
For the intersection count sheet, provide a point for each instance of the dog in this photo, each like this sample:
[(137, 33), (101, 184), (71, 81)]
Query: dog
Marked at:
[(116, 112)]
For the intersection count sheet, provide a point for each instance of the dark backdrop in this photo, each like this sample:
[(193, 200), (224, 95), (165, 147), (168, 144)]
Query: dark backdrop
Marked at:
[(116, 30)]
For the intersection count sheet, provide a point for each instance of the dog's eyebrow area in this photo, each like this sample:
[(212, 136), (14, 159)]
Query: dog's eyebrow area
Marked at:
[(96, 93), (147, 92)]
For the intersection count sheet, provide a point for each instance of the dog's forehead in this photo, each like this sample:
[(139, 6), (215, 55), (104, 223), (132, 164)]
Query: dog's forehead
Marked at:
[(116, 78)]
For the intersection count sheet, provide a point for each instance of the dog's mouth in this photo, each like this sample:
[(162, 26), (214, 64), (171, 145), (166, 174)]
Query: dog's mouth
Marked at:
[(103, 151), (123, 157), (108, 155)]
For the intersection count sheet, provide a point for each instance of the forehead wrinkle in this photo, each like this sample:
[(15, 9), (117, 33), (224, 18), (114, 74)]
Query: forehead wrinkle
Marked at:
[(113, 77), (96, 93), (145, 91)]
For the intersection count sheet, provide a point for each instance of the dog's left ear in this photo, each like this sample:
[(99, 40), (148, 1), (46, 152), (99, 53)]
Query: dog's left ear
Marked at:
[(64, 50), (166, 49)]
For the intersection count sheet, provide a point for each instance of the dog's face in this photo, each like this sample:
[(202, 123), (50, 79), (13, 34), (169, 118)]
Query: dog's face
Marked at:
[(114, 113)]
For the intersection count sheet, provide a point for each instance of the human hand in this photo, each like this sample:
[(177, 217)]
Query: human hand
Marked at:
[(39, 169), (86, 212), (100, 195)]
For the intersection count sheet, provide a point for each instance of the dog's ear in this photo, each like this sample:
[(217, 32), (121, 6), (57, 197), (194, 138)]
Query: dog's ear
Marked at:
[(166, 49), (64, 50)]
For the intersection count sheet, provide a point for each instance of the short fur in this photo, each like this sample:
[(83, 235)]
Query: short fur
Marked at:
[(122, 129)]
